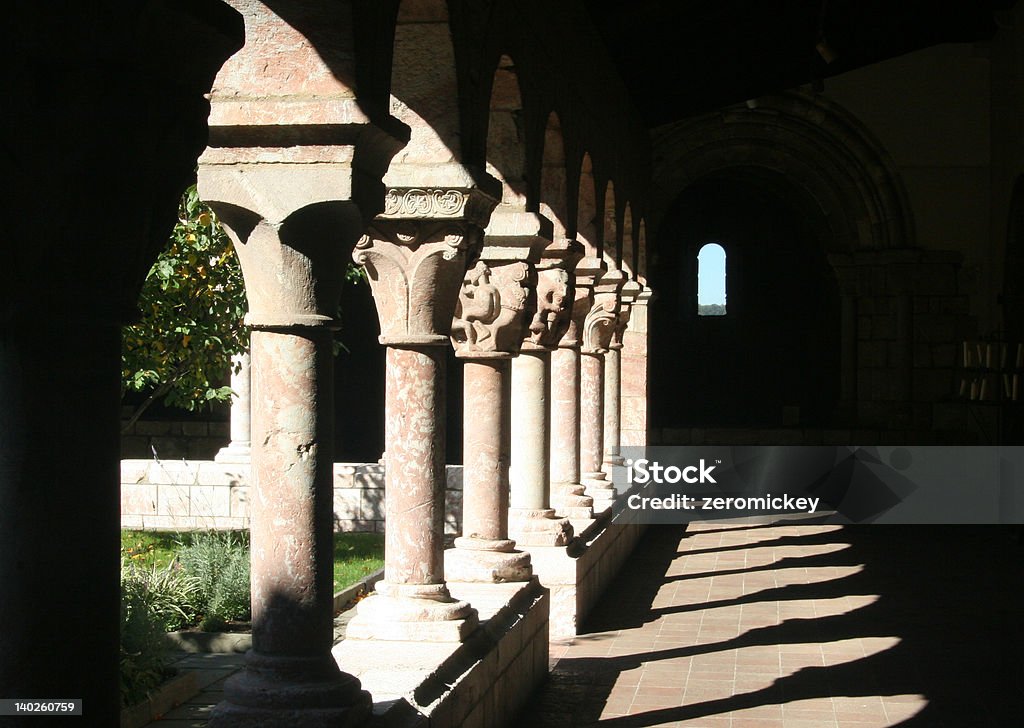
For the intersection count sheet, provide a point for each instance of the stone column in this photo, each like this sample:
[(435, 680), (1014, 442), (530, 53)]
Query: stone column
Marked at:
[(415, 257), (239, 450), (487, 333), (567, 492), (598, 328), (533, 521), (613, 380), (292, 237), (635, 373)]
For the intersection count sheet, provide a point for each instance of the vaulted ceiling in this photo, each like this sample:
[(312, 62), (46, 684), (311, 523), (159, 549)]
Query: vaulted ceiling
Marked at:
[(687, 56)]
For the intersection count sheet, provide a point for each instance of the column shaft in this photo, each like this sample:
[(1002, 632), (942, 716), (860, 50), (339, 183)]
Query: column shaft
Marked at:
[(591, 413), (290, 666), (612, 408), (414, 466), (565, 415), (485, 467), (292, 491), (530, 444)]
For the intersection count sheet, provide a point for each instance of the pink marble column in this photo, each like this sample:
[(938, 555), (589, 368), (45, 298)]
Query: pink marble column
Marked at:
[(532, 521), (598, 329), (415, 258), (613, 380), (486, 333), (290, 668), (567, 492), (634, 373)]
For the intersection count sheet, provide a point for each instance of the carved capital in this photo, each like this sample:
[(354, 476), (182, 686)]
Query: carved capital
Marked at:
[(628, 296), (586, 272), (492, 310), (416, 268), (603, 318)]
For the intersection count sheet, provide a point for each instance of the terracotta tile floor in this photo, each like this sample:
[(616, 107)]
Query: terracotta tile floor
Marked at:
[(801, 626)]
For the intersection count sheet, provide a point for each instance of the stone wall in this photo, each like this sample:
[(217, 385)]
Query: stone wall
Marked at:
[(173, 439), (201, 494)]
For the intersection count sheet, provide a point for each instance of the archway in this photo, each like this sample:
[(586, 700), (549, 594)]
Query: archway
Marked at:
[(773, 358)]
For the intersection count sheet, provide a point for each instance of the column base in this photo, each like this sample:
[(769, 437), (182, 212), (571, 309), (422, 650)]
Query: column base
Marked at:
[(569, 501), (611, 462), (538, 527), (309, 692), (469, 563), (600, 489), (412, 612), (233, 454)]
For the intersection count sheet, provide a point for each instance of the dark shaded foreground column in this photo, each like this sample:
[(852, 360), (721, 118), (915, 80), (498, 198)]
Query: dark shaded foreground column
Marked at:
[(99, 116), (598, 329), (48, 502), (415, 264)]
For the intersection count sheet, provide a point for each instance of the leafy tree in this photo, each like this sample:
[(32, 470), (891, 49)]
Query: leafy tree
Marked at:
[(192, 305)]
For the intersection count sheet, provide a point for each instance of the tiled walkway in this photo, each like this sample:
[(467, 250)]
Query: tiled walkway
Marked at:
[(801, 627), (793, 627)]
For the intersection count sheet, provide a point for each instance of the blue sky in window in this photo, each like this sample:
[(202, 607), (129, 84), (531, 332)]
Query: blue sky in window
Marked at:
[(711, 275)]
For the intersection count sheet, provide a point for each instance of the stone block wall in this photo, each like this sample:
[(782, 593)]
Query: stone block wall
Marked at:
[(173, 440), (909, 314), (201, 494)]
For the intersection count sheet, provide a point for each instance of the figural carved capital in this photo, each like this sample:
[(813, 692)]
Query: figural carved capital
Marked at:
[(628, 296), (585, 274), (555, 294), (491, 310)]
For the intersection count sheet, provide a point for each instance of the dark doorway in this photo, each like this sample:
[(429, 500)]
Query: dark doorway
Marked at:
[(772, 359)]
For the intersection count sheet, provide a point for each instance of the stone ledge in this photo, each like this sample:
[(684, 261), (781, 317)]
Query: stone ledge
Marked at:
[(171, 694)]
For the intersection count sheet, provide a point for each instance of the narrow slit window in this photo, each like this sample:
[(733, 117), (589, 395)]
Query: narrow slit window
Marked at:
[(711, 280)]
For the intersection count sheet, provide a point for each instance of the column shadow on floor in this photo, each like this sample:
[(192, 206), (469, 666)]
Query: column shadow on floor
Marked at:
[(952, 598)]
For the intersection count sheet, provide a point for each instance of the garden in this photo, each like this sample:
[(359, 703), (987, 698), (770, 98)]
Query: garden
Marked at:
[(200, 581)]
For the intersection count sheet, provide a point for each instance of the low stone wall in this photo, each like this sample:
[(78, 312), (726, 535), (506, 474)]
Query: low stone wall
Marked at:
[(201, 494), (484, 681)]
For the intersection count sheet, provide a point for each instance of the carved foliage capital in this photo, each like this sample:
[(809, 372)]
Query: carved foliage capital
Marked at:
[(415, 269), (600, 324), (492, 309)]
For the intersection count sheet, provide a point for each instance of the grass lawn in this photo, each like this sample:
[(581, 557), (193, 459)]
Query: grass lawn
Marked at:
[(355, 554)]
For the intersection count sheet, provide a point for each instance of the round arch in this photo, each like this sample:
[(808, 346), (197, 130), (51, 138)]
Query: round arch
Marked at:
[(832, 165)]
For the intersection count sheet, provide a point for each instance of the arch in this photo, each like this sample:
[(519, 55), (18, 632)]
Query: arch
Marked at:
[(628, 264), (424, 90), (830, 162), (554, 197), (611, 243), (587, 232), (506, 146)]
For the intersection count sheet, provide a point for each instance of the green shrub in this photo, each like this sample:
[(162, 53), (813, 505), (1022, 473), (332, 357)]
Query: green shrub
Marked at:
[(219, 562), (153, 601)]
